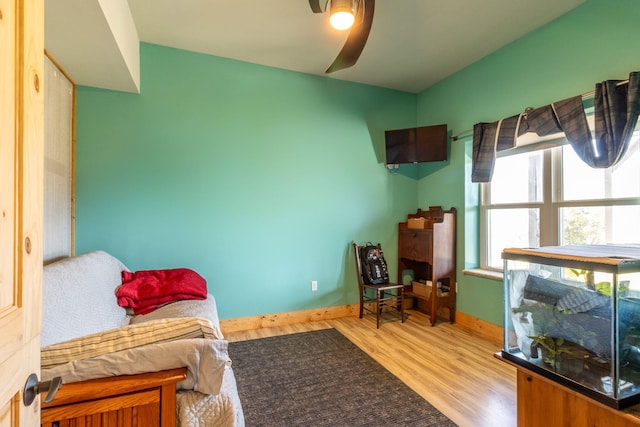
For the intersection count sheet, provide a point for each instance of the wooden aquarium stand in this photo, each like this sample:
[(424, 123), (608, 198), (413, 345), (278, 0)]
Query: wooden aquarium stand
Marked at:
[(544, 402)]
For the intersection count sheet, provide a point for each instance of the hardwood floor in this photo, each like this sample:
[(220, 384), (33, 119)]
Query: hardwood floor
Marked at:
[(450, 367)]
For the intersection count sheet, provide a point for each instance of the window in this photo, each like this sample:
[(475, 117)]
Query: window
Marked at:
[(547, 196)]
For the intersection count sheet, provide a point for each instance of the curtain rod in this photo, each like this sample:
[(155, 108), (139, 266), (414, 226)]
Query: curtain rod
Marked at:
[(587, 95)]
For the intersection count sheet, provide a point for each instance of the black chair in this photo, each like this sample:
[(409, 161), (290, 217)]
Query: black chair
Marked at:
[(387, 295)]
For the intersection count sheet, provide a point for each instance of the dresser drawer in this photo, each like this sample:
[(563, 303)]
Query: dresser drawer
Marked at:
[(416, 245), (142, 400)]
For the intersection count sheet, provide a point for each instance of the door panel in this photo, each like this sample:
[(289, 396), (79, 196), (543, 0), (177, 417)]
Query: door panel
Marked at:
[(7, 152), (21, 159)]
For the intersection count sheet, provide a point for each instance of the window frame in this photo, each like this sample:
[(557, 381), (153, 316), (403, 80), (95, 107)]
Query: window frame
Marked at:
[(552, 201)]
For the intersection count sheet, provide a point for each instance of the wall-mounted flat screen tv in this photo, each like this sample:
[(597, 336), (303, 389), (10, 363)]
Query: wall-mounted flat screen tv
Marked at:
[(416, 145)]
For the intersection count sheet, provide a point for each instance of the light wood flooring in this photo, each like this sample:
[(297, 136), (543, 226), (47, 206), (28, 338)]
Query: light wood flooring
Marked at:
[(450, 367)]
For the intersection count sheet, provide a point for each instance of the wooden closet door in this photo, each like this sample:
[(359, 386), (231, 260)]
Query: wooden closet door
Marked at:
[(21, 159)]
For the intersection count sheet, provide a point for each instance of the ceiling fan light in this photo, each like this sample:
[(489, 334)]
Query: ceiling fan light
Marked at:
[(342, 14), (341, 20)]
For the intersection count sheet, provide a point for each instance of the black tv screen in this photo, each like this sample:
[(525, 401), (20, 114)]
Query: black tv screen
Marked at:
[(416, 145)]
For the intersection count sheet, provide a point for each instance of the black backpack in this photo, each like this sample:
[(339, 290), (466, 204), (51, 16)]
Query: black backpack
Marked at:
[(374, 266)]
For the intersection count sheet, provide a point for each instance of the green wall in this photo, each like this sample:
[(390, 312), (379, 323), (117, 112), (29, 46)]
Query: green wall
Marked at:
[(259, 178), (256, 177), (596, 41)]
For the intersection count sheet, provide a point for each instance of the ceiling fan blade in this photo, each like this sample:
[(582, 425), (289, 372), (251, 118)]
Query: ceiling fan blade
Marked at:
[(356, 39), (316, 7)]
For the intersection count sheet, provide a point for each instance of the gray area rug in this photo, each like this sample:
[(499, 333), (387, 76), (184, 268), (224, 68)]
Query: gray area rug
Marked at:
[(320, 379)]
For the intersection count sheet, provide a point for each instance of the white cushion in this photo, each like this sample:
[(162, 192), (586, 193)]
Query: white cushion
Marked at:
[(78, 297)]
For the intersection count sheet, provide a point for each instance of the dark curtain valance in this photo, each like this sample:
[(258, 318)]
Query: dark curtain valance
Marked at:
[(617, 107)]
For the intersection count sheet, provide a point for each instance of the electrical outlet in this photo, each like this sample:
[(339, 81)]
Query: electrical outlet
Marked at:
[(314, 285)]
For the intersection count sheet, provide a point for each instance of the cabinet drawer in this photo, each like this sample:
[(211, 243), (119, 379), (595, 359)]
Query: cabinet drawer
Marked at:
[(416, 245)]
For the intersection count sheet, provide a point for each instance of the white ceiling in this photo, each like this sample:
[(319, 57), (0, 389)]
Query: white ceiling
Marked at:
[(412, 44)]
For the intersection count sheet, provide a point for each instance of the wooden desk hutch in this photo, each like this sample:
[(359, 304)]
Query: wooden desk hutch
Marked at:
[(430, 251)]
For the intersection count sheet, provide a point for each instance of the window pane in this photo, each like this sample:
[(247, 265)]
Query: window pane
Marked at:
[(511, 228), (517, 178), (600, 225), (581, 182)]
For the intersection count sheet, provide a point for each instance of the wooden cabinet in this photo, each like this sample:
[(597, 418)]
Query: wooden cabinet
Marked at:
[(431, 254), (542, 402), (143, 400)]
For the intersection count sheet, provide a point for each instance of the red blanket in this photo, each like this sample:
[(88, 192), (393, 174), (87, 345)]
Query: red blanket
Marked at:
[(146, 290)]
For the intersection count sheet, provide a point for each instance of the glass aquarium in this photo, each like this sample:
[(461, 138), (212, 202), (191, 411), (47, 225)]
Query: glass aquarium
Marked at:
[(572, 314)]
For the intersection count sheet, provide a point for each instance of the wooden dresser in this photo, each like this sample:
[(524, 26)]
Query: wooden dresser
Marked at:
[(430, 252), (143, 400)]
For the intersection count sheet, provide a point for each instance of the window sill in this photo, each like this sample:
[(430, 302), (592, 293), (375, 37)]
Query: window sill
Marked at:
[(487, 274)]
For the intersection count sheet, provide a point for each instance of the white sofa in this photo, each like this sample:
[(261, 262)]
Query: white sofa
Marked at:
[(86, 335)]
